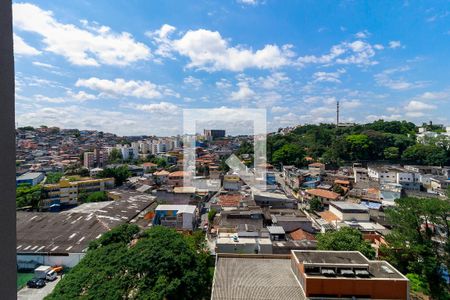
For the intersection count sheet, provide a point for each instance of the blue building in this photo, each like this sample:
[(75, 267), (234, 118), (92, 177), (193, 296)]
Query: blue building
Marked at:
[(31, 178)]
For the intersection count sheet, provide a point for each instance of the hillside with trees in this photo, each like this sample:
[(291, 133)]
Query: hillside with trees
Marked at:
[(125, 264), (393, 141)]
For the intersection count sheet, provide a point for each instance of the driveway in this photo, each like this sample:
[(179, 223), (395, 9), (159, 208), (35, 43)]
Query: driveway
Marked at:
[(37, 294)]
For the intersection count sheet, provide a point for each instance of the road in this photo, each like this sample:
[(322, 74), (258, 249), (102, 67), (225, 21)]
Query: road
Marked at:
[(37, 294)]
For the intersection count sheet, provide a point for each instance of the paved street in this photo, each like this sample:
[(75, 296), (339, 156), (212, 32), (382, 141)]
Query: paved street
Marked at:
[(37, 294)]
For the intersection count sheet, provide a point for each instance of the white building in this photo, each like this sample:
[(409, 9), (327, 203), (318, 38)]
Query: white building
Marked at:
[(176, 216), (347, 211)]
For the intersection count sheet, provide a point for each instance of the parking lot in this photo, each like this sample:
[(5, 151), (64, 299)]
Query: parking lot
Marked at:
[(37, 294)]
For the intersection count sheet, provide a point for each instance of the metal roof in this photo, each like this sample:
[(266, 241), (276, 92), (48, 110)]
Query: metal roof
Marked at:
[(254, 278)]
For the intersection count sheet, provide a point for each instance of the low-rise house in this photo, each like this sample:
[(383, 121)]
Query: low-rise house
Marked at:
[(347, 211), (232, 182), (275, 199), (182, 217), (161, 177), (323, 195), (177, 178)]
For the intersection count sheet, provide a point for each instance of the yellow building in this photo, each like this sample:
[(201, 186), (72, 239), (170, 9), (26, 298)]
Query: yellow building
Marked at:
[(66, 192)]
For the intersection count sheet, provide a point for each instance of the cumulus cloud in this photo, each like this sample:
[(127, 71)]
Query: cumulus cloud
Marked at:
[(328, 76), (208, 50), (192, 81), (279, 109), (385, 79), (357, 52), (243, 93), (120, 87), (89, 46), (414, 106), (249, 2), (393, 117), (162, 107), (395, 44), (22, 48)]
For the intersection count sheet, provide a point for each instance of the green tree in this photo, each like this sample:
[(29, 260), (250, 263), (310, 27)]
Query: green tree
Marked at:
[(346, 239), (391, 153), (425, 154), (338, 189), (315, 204), (211, 214), (289, 154), (358, 146), (412, 247), (115, 156), (120, 174), (162, 264), (96, 197), (54, 177), (27, 195)]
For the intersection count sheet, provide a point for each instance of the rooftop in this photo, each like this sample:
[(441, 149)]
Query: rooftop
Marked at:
[(255, 277), (178, 208), (71, 231), (331, 257), (323, 193), (349, 206), (29, 176)]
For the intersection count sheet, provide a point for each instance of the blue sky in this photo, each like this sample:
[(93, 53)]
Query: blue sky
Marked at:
[(131, 67)]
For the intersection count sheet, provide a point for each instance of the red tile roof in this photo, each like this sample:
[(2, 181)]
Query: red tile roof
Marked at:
[(323, 194), (300, 234)]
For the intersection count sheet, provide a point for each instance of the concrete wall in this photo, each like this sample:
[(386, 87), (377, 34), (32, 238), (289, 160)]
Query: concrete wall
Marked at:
[(71, 260)]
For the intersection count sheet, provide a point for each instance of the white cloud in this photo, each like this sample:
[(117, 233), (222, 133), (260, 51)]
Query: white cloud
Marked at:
[(393, 117), (328, 76), (357, 53), (395, 44), (22, 48), (273, 80), (384, 79), (279, 109), (243, 93), (81, 96), (44, 65), (350, 104), (223, 84), (362, 34), (42, 98), (86, 47), (207, 50), (414, 105), (195, 82), (249, 2), (120, 87), (434, 96), (162, 107)]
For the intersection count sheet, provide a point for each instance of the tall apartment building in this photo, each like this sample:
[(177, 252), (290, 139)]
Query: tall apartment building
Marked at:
[(89, 160), (213, 134)]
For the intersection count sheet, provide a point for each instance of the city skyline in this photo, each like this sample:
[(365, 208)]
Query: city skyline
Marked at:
[(86, 65)]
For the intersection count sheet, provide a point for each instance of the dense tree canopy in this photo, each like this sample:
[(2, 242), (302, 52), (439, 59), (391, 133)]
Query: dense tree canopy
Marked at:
[(414, 247), (120, 174), (394, 141), (53, 177), (27, 195), (163, 264), (346, 239)]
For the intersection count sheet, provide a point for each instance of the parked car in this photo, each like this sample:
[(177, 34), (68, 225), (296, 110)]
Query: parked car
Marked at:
[(36, 283)]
